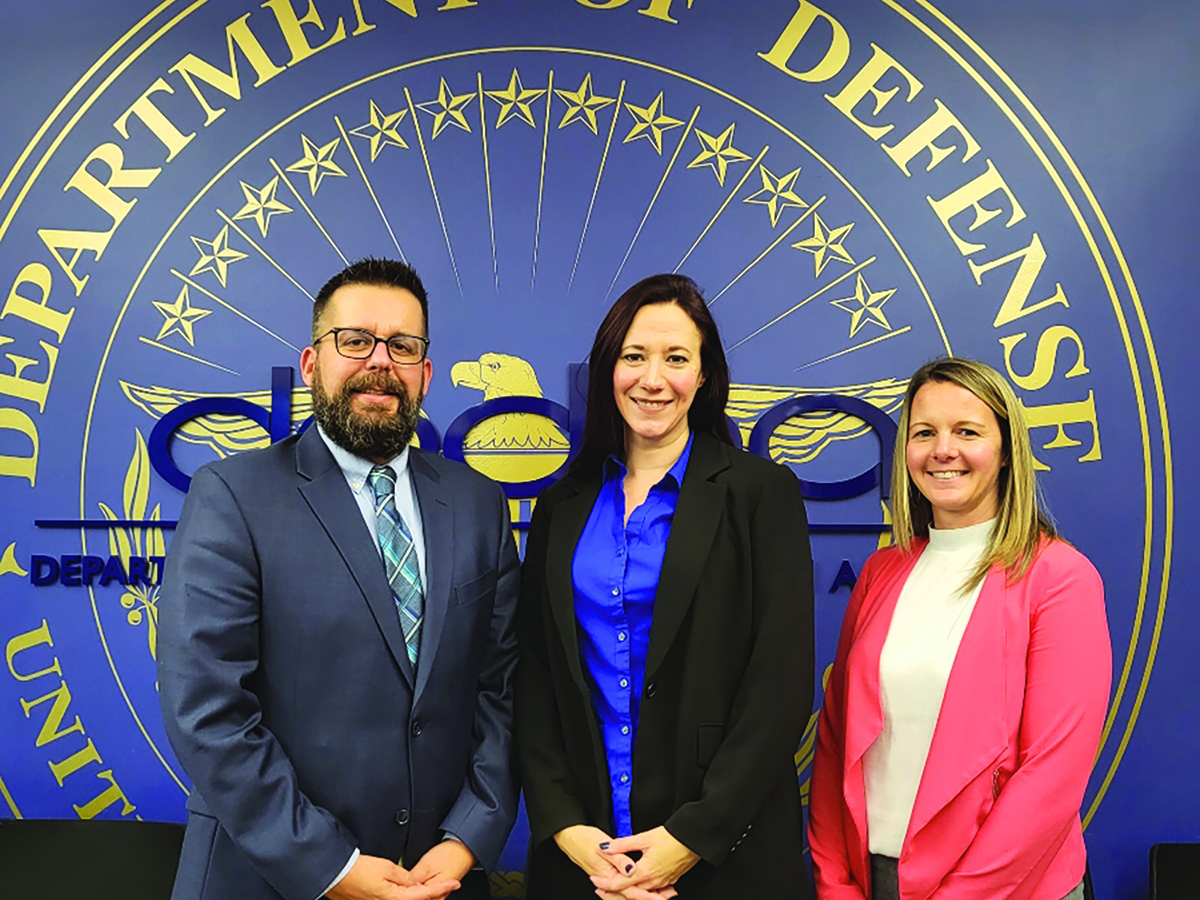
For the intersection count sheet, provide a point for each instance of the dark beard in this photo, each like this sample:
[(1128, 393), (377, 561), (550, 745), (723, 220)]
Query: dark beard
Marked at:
[(375, 436)]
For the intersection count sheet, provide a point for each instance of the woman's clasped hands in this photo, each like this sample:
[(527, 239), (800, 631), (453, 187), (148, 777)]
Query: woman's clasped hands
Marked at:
[(617, 876)]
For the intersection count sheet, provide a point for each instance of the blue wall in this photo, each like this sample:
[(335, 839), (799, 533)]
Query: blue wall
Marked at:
[(164, 221)]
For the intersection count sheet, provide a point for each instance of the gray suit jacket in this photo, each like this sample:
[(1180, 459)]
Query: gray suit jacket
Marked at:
[(286, 689)]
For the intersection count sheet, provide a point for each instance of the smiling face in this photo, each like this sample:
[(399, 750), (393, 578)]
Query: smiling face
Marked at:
[(656, 376), (954, 452), (368, 406)]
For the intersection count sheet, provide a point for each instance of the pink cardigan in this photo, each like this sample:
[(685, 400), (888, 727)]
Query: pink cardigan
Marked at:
[(997, 812)]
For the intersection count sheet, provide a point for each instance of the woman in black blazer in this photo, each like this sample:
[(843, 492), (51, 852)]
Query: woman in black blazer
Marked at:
[(686, 782)]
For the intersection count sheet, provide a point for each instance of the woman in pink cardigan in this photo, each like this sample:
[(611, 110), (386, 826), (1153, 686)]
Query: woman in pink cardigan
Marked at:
[(964, 709)]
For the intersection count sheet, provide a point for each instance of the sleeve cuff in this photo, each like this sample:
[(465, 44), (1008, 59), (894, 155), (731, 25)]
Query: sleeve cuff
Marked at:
[(342, 874)]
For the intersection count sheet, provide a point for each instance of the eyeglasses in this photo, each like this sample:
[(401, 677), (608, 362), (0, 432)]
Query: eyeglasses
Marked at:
[(354, 343)]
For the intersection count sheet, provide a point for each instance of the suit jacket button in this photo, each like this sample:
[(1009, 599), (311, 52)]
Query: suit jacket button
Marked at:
[(402, 817), (651, 690), (416, 728)]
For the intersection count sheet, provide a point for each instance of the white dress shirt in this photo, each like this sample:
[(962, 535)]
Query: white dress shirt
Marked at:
[(927, 626), (356, 469)]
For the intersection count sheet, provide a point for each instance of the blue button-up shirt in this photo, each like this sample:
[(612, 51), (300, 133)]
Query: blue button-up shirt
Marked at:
[(615, 574)]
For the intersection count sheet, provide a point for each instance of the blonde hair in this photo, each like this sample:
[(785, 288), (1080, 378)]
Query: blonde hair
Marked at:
[(1021, 521)]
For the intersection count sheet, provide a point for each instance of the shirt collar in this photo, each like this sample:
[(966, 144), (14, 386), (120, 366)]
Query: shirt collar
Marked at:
[(615, 468), (973, 538), (355, 468)]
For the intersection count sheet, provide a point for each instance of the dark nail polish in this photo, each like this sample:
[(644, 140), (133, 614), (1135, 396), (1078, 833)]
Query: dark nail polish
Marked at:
[(629, 868), (604, 845)]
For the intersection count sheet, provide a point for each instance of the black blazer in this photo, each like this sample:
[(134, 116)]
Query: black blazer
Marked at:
[(728, 683)]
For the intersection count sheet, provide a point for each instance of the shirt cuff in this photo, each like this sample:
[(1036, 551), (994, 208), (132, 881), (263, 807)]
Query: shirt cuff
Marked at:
[(342, 874)]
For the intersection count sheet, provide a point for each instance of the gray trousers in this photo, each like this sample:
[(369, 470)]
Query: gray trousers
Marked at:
[(885, 881)]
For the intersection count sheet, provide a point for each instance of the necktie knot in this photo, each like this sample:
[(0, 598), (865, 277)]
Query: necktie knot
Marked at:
[(383, 481)]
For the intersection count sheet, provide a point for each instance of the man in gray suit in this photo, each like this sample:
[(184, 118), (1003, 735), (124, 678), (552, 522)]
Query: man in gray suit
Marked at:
[(336, 639)]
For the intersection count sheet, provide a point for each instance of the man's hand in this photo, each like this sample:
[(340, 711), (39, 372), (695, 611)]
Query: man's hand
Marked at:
[(582, 843), (664, 861), (444, 863), (373, 878)]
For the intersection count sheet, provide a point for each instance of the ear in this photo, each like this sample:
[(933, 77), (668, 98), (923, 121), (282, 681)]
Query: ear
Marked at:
[(308, 362), (427, 366)]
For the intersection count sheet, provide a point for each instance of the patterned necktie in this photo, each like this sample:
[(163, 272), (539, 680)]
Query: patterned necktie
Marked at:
[(399, 558)]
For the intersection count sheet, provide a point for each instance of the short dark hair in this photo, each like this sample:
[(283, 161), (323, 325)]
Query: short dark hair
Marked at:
[(378, 272), (604, 429)]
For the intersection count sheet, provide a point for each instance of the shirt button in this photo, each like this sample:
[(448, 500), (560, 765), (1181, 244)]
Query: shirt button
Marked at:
[(624, 779), (620, 551), (624, 729), (616, 592), (625, 682), (620, 635)]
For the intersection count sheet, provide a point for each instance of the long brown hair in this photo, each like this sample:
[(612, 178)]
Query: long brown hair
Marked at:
[(1021, 520), (604, 429)]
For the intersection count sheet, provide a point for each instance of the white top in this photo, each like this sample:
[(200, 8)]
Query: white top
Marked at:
[(926, 628)]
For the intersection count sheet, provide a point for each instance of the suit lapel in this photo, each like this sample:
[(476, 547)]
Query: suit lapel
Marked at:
[(863, 707), (964, 741), (437, 521), (567, 520), (693, 528), (692, 532), (863, 696), (325, 490)]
